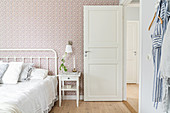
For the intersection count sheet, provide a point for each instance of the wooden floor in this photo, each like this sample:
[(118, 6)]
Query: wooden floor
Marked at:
[(133, 95), (69, 106)]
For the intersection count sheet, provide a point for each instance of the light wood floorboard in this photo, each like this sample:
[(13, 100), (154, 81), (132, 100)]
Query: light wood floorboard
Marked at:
[(69, 106), (133, 95), (130, 106)]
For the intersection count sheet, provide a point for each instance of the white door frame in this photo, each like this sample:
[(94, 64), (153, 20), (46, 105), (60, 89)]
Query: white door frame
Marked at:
[(140, 56)]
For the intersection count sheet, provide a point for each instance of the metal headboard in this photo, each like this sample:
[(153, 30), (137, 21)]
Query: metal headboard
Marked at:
[(32, 57)]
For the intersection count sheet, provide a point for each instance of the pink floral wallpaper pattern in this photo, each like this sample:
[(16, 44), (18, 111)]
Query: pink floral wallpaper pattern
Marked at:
[(46, 24)]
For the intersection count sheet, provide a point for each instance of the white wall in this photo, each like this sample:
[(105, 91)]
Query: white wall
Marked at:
[(131, 13), (146, 105)]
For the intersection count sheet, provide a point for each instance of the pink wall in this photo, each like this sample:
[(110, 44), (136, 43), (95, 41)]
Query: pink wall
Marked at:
[(46, 24)]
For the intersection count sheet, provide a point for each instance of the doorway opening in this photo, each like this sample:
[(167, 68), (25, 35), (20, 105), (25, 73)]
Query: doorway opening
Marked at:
[(132, 53), (132, 63)]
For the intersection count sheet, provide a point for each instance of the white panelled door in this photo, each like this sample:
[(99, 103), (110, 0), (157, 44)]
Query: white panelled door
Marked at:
[(103, 53), (132, 51)]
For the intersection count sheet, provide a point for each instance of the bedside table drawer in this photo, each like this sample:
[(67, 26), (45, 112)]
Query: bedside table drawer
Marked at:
[(68, 78)]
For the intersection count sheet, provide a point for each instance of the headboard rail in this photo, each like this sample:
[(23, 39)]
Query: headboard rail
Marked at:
[(39, 58)]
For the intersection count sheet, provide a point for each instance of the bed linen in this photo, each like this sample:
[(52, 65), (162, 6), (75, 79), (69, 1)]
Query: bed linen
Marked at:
[(8, 108), (34, 96), (12, 73)]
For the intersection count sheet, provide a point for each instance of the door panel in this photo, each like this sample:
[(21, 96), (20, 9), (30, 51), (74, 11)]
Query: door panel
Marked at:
[(98, 22), (132, 51), (96, 73), (103, 53)]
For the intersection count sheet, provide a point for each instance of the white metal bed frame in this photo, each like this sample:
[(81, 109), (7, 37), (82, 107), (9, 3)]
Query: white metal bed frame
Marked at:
[(32, 57)]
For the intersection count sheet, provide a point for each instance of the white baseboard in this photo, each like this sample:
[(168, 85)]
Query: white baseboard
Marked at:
[(73, 97)]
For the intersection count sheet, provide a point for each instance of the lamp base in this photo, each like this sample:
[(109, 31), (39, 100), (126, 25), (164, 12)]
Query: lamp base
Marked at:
[(74, 70)]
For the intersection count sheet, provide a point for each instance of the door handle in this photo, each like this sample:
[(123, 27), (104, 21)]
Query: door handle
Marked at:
[(87, 51), (135, 52)]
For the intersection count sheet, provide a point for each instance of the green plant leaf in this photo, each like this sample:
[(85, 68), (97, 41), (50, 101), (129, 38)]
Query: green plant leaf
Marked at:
[(65, 69), (60, 68), (63, 60), (62, 65)]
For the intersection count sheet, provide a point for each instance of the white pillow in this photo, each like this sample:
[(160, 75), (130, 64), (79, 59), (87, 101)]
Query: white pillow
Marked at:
[(39, 74), (25, 72), (3, 68), (12, 73)]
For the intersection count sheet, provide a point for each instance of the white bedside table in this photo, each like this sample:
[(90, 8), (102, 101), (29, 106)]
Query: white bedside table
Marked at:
[(69, 77)]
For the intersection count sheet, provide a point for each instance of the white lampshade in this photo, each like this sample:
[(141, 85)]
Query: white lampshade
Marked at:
[(68, 49)]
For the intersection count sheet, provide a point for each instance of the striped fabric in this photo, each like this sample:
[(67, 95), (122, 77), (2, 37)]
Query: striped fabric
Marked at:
[(157, 40), (163, 10)]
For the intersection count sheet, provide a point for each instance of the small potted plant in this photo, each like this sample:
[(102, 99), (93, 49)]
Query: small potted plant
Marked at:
[(62, 66), (67, 50)]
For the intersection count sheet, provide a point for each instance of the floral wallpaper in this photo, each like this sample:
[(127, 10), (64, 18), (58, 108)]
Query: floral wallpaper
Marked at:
[(46, 24)]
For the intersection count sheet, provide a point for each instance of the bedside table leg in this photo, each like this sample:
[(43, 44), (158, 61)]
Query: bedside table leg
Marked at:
[(63, 90), (59, 92), (78, 92)]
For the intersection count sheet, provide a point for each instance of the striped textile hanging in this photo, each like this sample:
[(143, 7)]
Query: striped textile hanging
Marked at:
[(157, 40)]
